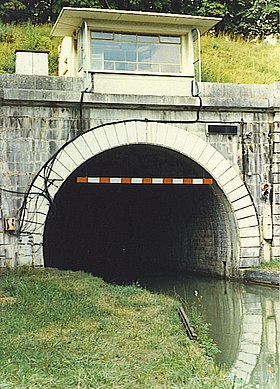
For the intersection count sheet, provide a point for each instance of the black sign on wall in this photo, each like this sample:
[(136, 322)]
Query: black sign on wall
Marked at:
[(227, 129)]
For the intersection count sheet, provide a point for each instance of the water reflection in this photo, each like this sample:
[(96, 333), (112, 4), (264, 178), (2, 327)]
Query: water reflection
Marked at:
[(245, 324)]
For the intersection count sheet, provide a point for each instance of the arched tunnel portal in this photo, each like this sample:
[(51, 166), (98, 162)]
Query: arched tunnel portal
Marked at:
[(126, 232)]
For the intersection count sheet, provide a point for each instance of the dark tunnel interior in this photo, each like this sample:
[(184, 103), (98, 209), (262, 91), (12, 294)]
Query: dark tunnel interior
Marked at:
[(124, 232)]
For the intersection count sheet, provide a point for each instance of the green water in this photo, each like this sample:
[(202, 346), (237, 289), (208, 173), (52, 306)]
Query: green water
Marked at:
[(245, 323)]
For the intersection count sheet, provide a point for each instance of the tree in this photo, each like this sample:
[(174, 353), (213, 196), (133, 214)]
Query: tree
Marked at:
[(13, 10), (256, 18)]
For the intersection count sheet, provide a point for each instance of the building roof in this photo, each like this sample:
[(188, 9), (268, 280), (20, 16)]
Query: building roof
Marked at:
[(70, 19)]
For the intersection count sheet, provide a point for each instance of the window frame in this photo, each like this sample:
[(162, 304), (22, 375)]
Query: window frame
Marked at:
[(138, 63)]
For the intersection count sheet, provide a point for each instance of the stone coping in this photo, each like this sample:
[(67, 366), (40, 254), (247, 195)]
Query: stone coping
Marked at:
[(51, 89), (262, 277)]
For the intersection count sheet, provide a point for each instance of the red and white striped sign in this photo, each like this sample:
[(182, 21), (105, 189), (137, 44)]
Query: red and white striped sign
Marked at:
[(144, 180)]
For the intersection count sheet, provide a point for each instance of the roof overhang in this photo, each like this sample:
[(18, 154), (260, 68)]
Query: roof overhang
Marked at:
[(70, 19)]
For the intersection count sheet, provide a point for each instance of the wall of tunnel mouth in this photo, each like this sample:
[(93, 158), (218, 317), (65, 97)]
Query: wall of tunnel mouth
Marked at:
[(128, 232)]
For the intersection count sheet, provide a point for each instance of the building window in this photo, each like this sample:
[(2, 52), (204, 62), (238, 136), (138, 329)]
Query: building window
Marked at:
[(135, 52)]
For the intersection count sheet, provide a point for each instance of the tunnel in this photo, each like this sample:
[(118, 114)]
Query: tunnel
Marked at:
[(127, 232)]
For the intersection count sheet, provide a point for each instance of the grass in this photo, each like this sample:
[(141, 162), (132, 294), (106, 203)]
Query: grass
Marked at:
[(272, 265), (225, 59), (26, 36), (238, 60), (72, 330)]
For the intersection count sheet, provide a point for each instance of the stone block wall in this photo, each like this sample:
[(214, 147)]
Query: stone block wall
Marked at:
[(39, 114)]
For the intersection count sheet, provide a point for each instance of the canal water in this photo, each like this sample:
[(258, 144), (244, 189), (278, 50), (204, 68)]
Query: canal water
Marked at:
[(245, 323)]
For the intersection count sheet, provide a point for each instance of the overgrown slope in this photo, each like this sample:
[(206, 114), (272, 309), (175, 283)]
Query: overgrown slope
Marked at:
[(224, 59), (26, 36), (239, 60)]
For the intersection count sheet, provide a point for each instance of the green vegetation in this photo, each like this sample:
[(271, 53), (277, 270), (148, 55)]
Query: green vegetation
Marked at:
[(273, 265), (225, 58), (238, 60), (195, 312), (247, 17), (72, 330), (26, 36)]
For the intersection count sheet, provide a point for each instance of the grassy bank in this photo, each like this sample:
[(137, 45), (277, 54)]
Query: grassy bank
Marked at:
[(72, 330), (224, 58), (273, 265), (229, 59)]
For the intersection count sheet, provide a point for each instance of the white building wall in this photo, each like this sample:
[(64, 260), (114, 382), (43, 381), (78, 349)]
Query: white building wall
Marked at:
[(67, 57), (152, 85)]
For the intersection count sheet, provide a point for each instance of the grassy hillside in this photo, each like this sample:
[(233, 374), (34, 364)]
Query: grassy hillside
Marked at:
[(224, 59), (240, 61), (26, 37), (72, 330)]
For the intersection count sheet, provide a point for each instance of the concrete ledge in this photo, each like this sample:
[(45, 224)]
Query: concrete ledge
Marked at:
[(262, 277), (215, 96), (67, 97), (20, 81)]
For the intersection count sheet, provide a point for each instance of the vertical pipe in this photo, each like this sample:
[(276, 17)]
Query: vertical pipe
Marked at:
[(243, 152), (86, 56), (197, 60)]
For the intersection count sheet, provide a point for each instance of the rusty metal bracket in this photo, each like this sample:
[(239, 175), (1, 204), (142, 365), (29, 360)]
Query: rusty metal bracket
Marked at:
[(186, 322)]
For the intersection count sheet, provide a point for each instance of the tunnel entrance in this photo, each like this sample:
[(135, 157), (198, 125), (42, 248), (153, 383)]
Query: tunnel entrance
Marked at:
[(126, 232)]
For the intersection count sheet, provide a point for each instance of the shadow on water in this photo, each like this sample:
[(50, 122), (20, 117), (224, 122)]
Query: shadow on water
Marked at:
[(245, 323)]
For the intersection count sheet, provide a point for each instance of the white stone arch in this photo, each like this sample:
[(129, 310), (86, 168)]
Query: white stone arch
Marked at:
[(109, 136)]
